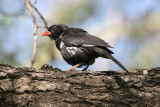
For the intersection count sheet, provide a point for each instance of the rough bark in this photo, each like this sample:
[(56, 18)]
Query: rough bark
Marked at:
[(49, 87)]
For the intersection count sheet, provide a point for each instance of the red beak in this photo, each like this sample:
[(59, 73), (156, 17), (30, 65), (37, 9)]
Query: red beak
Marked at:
[(46, 33)]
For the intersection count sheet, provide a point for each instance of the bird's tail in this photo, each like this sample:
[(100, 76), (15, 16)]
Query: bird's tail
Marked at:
[(118, 63)]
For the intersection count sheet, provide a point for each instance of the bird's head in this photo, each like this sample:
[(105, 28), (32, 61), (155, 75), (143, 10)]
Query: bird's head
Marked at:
[(55, 31)]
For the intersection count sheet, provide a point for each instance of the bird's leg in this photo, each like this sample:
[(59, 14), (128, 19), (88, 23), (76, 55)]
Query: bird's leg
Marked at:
[(88, 65), (74, 66)]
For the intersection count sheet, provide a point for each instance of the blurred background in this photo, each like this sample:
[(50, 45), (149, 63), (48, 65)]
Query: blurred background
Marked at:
[(132, 27)]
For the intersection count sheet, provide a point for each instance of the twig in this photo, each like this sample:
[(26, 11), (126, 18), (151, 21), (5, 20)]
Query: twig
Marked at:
[(29, 7), (35, 2), (44, 21)]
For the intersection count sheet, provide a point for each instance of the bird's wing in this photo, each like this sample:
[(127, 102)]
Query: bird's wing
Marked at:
[(79, 37)]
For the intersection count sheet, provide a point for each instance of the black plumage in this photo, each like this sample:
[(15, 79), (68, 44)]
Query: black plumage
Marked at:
[(78, 47)]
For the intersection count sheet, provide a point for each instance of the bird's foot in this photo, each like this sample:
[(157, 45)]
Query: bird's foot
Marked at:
[(85, 69), (74, 67)]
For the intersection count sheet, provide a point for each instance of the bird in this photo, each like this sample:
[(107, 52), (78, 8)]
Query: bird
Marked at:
[(79, 48)]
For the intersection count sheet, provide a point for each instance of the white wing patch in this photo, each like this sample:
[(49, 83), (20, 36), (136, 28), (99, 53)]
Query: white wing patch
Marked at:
[(73, 50), (61, 45), (85, 45)]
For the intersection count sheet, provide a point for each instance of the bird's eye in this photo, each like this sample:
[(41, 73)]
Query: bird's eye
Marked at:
[(53, 29)]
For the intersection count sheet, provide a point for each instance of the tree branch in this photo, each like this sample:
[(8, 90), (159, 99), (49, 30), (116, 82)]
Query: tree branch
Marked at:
[(48, 87)]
